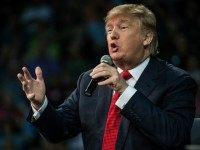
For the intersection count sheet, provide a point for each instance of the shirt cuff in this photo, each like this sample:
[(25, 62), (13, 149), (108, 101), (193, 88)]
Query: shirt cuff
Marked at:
[(125, 97), (37, 113)]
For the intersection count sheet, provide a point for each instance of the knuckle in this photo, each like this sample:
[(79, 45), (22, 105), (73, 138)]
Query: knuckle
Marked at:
[(113, 69), (115, 78), (101, 65), (23, 83), (104, 72), (104, 65)]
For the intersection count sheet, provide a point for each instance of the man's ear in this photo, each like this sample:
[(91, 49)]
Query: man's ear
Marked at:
[(148, 37)]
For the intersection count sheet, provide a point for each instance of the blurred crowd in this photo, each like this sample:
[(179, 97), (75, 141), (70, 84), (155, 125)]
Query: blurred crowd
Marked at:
[(66, 38)]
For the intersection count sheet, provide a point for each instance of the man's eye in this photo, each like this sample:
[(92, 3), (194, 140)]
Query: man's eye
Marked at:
[(124, 27), (108, 30)]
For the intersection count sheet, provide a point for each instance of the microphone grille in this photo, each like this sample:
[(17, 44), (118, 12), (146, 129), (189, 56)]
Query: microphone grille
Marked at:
[(106, 59)]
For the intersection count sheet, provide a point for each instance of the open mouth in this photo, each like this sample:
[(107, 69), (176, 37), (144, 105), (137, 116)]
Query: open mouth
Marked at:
[(114, 47)]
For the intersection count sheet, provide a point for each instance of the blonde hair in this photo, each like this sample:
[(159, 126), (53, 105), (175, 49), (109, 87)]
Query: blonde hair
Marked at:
[(146, 17)]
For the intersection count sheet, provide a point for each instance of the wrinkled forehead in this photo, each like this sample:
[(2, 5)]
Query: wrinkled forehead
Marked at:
[(120, 18), (119, 11)]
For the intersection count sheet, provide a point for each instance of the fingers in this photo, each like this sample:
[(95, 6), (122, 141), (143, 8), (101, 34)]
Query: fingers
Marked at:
[(115, 83), (103, 69), (23, 82), (34, 89), (111, 77), (108, 81), (20, 77), (25, 79), (30, 96), (108, 72), (38, 72), (27, 75), (103, 73)]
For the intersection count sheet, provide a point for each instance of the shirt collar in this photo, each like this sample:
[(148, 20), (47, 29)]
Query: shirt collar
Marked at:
[(137, 71)]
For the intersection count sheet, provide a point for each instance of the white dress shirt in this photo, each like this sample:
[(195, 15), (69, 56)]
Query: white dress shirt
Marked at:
[(130, 90), (124, 97)]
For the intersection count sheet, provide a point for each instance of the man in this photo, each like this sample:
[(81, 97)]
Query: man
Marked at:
[(147, 108)]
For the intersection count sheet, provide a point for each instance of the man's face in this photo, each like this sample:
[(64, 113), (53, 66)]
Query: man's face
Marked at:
[(125, 40)]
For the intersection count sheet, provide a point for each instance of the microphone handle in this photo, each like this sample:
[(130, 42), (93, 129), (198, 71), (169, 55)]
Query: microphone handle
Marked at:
[(92, 86)]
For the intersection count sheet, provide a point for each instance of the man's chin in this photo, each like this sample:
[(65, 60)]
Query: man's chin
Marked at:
[(116, 57)]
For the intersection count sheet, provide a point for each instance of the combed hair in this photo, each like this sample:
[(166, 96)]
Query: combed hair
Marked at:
[(146, 17)]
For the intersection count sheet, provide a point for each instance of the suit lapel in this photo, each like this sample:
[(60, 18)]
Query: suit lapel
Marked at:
[(103, 103), (145, 85), (147, 80)]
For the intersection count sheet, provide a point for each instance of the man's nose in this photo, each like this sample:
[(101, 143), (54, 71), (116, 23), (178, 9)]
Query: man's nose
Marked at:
[(114, 34)]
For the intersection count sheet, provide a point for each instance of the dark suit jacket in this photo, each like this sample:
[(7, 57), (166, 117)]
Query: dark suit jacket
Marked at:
[(195, 132), (158, 116)]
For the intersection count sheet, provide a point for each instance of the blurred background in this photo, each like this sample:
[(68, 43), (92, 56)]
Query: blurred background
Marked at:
[(67, 37)]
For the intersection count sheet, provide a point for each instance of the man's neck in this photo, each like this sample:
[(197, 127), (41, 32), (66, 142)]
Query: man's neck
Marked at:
[(128, 66)]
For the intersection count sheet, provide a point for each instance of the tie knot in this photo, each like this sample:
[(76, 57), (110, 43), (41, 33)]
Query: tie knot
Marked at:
[(126, 75)]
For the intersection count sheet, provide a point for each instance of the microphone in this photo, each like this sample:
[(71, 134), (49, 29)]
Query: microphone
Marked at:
[(93, 82)]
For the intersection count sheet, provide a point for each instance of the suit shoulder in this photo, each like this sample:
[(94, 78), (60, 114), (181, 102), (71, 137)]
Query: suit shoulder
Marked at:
[(173, 74), (173, 77), (86, 74), (84, 77), (172, 71)]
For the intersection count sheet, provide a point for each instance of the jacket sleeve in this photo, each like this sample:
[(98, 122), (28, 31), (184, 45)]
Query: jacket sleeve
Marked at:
[(168, 125), (59, 124)]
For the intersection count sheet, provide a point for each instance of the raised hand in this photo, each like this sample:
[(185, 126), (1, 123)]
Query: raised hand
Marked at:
[(33, 88)]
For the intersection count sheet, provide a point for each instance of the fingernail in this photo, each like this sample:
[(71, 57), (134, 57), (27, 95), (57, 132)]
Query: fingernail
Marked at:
[(38, 68), (91, 73), (23, 68), (99, 83)]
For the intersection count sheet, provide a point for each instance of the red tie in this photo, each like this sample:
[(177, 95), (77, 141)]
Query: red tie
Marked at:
[(113, 120)]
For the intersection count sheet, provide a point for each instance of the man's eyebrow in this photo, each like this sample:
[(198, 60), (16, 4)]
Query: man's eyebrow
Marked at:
[(124, 21), (121, 21), (108, 26)]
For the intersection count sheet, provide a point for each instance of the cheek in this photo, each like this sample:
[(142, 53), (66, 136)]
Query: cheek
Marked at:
[(132, 48), (107, 38), (128, 44), (108, 42), (133, 42)]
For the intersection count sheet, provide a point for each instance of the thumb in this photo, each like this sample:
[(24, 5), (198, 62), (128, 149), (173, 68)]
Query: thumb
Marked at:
[(30, 96), (38, 72)]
